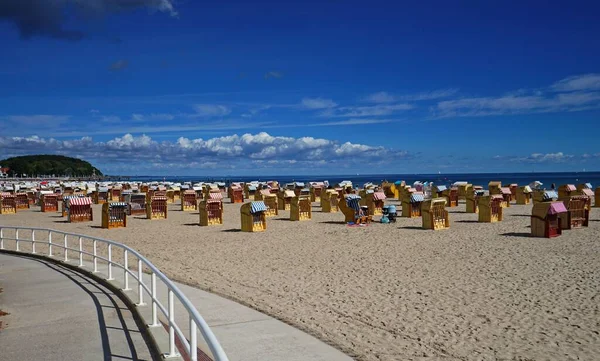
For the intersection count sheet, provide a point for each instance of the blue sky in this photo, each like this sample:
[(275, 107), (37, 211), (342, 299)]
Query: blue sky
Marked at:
[(335, 87)]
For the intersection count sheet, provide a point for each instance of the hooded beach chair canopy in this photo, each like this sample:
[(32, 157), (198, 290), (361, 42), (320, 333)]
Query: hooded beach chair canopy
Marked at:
[(353, 201), (542, 210), (258, 206), (379, 196), (417, 197), (536, 184), (550, 195), (79, 201), (588, 192), (214, 197)]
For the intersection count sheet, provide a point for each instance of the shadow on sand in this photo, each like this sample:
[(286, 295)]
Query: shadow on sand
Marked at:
[(516, 234)]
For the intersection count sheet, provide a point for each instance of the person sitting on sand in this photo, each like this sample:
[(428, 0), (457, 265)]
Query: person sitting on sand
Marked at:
[(361, 215)]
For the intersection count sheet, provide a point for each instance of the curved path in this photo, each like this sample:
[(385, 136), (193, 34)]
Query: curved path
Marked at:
[(56, 313), (66, 315)]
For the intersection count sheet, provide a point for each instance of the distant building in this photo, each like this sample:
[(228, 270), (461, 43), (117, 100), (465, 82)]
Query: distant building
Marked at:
[(4, 172)]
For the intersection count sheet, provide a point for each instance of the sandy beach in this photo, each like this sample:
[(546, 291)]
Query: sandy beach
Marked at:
[(476, 291)]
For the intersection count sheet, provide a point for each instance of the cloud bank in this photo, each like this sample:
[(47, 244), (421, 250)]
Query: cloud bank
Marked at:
[(557, 157), (571, 94), (220, 152)]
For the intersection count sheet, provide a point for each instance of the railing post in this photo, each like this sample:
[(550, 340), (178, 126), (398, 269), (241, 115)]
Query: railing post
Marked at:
[(110, 277), (17, 238), (66, 246), (49, 243), (33, 241), (95, 258), (126, 270), (140, 288), (80, 252), (193, 340), (172, 350), (1, 238), (153, 289)]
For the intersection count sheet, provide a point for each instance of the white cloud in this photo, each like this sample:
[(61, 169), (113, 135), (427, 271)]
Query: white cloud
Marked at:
[(212, 110), (380, 97), (137, 117), (558, 157), (151, 117), (318, 103), (578, 98), (385, 97), (514, 104), (507, 103), (571, 94), (366, 111), (111, 119), (222, 152), (577, 83), (35, 120), (548, 157), (355, 122), (273, 74)]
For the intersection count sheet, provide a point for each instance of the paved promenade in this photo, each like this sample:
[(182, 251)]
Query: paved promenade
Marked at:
[(58, 313)]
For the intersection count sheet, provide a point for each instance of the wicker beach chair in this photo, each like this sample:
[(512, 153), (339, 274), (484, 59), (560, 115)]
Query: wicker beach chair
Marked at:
[(434, 214), (114, 215), (253, 216), (545, 219)]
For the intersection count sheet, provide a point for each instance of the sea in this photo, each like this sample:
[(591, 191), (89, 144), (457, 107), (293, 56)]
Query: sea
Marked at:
[(482, 179)]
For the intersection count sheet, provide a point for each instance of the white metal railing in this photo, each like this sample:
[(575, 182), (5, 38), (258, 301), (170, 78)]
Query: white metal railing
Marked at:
[(196, 322)]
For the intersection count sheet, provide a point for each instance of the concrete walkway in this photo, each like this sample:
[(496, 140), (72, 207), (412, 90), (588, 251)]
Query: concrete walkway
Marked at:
[(245, 334), (56, 313)]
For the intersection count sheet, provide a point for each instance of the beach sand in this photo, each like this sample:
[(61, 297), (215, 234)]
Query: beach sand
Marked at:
[(476, 291)]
